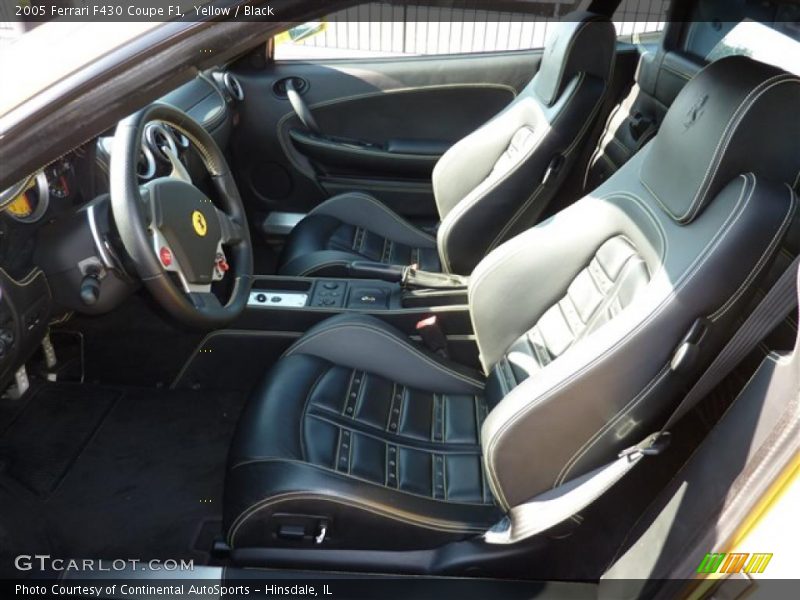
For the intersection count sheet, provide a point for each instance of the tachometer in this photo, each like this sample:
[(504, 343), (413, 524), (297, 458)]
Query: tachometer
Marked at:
[(31, 202)]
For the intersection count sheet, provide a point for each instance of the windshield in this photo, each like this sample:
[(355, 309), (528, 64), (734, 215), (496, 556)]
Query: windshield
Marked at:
[(41, 43), (36, 56)]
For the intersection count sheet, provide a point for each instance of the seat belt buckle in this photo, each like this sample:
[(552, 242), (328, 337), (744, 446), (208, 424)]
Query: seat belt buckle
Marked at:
[(652, 445), (433, 335)]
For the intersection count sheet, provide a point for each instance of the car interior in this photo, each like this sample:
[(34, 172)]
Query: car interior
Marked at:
[(368, 315)]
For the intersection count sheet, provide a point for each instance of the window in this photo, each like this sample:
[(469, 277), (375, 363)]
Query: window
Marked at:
[(380, 29), (640, 20)]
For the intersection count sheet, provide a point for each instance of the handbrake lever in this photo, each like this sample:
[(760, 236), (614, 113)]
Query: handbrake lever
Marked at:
[(375, 270)]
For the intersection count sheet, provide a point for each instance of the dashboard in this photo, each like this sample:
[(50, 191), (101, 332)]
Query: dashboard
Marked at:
[(56, 227)]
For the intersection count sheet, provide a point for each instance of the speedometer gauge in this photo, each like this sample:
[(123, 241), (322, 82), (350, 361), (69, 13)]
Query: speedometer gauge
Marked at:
[(31, 202)]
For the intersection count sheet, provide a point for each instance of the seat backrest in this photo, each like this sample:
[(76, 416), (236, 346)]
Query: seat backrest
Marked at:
[(578, 319), (495, 183)]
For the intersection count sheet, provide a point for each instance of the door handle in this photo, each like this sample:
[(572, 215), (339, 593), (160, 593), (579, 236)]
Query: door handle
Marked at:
[(300, 107)]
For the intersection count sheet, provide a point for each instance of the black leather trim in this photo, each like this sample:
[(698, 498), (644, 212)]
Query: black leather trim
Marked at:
[(578, 45), (361, 515), (495, 182), (366, 446), (354, 226), (729, 108)]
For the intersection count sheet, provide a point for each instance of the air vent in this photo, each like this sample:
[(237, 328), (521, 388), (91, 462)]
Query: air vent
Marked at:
[(233, 86)]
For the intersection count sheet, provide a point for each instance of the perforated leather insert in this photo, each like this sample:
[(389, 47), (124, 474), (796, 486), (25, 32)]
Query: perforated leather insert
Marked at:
[(374, 247), (522, 142), (609, 283), (404, 438)]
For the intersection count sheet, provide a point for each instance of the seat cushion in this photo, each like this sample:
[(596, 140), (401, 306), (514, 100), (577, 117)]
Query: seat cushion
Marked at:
[(386, 463), (353, 227)]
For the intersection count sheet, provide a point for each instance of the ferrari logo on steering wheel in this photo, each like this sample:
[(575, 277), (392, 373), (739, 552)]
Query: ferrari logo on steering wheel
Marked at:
[(199, 222)]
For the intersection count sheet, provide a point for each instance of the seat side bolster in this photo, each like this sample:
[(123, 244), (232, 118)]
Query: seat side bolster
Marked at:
[(616, 385), (504, 302), (514, 195), (362, 210), (364, 342), (320, 263), (258, 489)]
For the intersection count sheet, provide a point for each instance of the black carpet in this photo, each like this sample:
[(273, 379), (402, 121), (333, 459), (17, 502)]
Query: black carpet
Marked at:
[(66, 418), (123, 473)]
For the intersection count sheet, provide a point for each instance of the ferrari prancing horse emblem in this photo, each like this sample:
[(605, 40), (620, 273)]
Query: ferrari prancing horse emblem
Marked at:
[(199, 222)]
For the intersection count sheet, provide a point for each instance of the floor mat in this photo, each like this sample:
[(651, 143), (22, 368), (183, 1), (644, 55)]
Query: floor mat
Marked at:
[(67, 418), (148, 480)]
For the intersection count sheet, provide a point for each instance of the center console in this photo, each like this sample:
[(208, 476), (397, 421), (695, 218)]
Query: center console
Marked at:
[(296, 303), (325, 293), (281, 309)]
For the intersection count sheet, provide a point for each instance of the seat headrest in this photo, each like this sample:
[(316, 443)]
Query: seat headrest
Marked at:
[(581, 43), (736, 116)]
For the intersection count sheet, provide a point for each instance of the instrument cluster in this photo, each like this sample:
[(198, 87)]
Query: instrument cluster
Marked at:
[(29, 200)]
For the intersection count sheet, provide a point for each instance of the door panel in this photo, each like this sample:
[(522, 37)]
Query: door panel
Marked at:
[(391, 119)]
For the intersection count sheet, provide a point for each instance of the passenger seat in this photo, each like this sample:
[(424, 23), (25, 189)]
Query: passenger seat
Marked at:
[(490, 186)]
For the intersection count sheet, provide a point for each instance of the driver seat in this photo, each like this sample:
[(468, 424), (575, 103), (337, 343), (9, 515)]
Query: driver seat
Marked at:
[(359, 438)]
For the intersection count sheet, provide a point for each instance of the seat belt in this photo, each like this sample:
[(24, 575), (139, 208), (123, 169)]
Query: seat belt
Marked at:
[(563, 502)]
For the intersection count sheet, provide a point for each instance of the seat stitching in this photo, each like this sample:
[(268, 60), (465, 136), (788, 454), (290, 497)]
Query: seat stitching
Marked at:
[(612, 295), (466, 203), (732, 218), (675, 71), (563, 66), (296, 347), (720, 150), (361, 393), (762, 261), (395, 217), (374, 508), (304, 413), (421, 445), (718, 158), (492, 264), (338, 448), (503, 257), (274, 459), (634, 402), (688, 275)]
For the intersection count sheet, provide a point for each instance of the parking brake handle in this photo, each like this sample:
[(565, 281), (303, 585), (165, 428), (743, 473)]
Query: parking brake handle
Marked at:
[(375, 270)]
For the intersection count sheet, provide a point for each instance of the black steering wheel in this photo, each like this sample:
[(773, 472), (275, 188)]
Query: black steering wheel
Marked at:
[(173, 231)]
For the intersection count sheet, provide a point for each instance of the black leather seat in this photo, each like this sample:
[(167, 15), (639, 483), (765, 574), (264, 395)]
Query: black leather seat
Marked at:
[(490, 185), (578, 321), (357, 435)]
